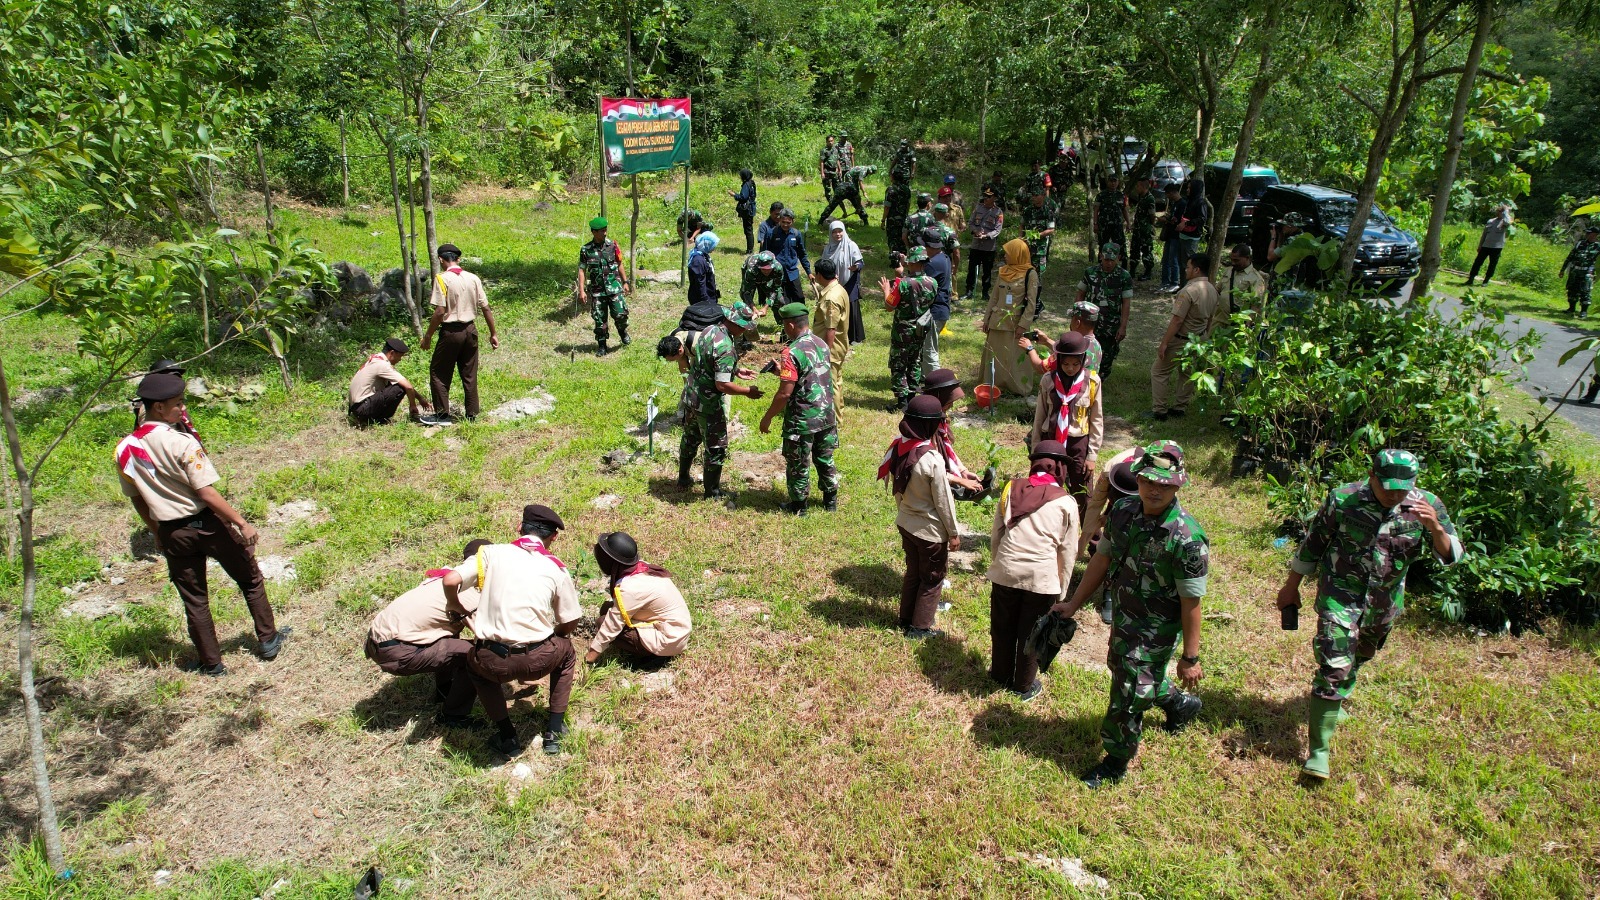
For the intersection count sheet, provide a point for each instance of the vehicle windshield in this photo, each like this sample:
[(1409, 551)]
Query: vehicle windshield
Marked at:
[(1133, 148), (1338, 213), (1253, 187)]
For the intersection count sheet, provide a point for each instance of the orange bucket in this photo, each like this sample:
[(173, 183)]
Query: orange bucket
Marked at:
[(985, 395)]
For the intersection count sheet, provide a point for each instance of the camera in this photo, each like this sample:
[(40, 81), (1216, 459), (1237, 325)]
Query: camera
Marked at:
[(896, 259)]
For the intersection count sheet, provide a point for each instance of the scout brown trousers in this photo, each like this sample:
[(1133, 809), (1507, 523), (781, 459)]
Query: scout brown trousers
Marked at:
[(187, 543), (553, 656), (924, 580), (457, 349)]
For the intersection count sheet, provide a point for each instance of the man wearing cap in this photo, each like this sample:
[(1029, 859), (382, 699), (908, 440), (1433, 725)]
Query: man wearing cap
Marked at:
[(527, 605), (184, 423), (1069, 410), (911, 296), (1304, 273), (1245, 288), (1032, 543), (920, 221), (1193, 310), (947, 237), (1061, 176), (985, 227), (997, 183), (420, 631), (602, 284), (957, 200), (1039, 228), (788, 247), (847, 150), (849, 189), (1156, 558), (713, 364), (760, 281), (645, 614), (1110, 214), (377, 388), (1035, 183), (896, 205), (170, 480), (1110, 288), (1578, 268), (458, 298), (1144, 228), (904, 164), (806, 401), (832, 321), (938, 268), (1364, 539)]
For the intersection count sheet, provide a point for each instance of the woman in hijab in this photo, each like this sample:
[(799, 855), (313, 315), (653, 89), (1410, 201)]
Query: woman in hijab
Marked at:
[(847, 262), (745, 206), (927, 520), (1012, 302), (702, 274), (1034, 540), (1069, 411)]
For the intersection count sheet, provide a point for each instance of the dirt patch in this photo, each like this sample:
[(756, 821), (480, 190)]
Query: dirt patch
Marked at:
[(759, 471), (93, 606), (292, 512), (535, 404)]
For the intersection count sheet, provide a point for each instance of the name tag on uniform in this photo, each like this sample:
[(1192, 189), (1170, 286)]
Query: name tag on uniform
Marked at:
[(1008, 299)]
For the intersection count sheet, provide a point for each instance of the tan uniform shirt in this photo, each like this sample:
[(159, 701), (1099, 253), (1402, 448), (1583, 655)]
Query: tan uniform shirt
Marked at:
[(419, 616), (1245, 288), (170, 481), (377, 372), (524, 595), (1196, 304), (655, 607), (1087, 418), (927, 508), (1011, 304), (460, 295), (833, 311), (1100, 498), (1037, 554)]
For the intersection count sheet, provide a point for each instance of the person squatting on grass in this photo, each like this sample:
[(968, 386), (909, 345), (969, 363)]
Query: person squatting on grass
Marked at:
[(1364, 539), (420, 631), (1156, 557), (915, 469), (378, 387), (526, 608), (645, 615)]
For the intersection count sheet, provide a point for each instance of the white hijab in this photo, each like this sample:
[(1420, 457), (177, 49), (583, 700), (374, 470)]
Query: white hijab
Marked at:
[(842, 251)]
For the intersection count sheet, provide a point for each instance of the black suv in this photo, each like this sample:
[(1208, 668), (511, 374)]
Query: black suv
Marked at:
[(1255, 183), (1388, 257)]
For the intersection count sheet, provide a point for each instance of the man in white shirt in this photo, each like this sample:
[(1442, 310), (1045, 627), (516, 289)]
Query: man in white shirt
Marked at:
[(527, 605)]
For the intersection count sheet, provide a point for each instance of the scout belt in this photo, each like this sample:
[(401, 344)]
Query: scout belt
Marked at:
[(199, 520), (505, 650)]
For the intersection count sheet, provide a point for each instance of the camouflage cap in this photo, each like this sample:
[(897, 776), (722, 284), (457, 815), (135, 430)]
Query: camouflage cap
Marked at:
[(739, 314), (1396, 469), (941, 207), (793, 311), (917, 254), (1162, 463), (1086, 311), (924, 198), (765, 259), (1294, 220), (1111, 249)]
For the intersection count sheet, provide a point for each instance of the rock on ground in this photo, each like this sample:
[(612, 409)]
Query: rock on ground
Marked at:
[(94, 606), (1072, 869), (291, 512), (606, 501), (673, 277), (273, 568), (656, 682), (535, 404), (42, 395)]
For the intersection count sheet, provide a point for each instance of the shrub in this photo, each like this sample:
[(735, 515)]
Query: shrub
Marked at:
[(1335, 382)]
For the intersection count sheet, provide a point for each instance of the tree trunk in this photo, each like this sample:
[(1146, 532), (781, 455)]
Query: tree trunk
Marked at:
[(49, 827), (11, 515), (400, 228), (425, 179), (344, 159), (1431, 254), (266, 192), (1265, 77), (1204, 128)]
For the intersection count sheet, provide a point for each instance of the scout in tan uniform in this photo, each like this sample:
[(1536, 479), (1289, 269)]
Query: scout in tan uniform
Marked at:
[(915, 468), (527, 606), (1070, 410), (458, 298), (169, 478), (646, 615), (1034, 540), (1192, 310), (420, 631), (378, 387), (831, 321)]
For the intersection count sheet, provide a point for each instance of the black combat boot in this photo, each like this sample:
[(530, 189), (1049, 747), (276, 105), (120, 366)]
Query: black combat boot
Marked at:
[(1110, 771), (794, 509), (830, 501), (1181, 709), (600, 349), (685, 463), (714, 483), (1593, 391), (622, 334)]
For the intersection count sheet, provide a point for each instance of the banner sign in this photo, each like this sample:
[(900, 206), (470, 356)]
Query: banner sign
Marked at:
[(644, 135)]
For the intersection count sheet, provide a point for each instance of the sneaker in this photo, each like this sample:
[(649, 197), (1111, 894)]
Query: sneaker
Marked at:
[(270, 649), (1033, 691), (216, 671), (1108, 772), (966, 297), (918, 634), (551, 741), (506, 743), (1185, 712)]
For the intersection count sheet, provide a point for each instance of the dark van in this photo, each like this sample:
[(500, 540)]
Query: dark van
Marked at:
[(1389, 255), (1256, 181)]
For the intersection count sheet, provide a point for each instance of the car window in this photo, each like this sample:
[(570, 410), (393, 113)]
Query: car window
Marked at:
[(1337, 213)]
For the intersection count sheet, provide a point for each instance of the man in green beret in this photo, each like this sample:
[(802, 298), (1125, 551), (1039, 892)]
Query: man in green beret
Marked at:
[(806, 400), (1157, 558), (713, 364), (911, 295), (1364, 538), (602, 284)]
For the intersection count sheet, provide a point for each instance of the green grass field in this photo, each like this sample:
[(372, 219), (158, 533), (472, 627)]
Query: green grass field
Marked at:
[(801, 748)]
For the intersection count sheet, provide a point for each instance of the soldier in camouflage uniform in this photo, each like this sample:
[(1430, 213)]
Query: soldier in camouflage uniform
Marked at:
[(602, 285), (897, 197), (1364, 539), (713, 364), (847, 152), (760, 280), (849, 189), (1144, 229), (904, 165), (1039, 228), (911, 297), (920, 221), (1109, 287), (1036, 182), (1578, 267), (947, 237), (690, 222), (806, 401), (1109, 209), (828, 168), (1156, 559)]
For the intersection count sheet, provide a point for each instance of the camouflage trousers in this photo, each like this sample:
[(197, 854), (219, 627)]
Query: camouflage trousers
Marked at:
[(799, 450), (1039, 249), (905, 355), (828, 183), (1106, 333), (1580, 282), (894, 232), (616, 305), (1347, 636), (1143, 251), (1138, 682), (707, 424)]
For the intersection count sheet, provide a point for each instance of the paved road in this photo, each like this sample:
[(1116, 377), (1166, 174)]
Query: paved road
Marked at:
[(1545, 373)]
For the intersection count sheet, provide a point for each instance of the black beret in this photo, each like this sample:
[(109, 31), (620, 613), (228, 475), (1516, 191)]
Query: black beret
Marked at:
[(396, 345), (160, 386), (536, 514)]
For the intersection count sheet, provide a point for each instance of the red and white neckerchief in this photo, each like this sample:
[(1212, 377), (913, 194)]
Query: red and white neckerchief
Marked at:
[(454, 270), (898, 447), (132, 450), (1067, 395), (947, 448), (533, 545)]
